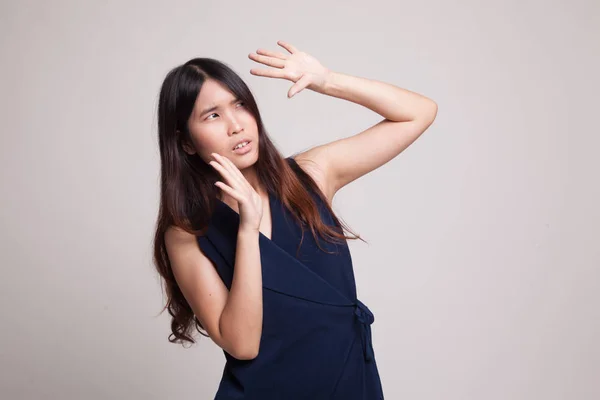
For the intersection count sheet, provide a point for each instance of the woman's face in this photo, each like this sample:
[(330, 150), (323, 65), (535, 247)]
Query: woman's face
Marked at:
[(218, 122)]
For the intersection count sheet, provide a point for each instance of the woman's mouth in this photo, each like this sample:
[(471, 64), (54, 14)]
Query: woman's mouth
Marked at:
[(243, 148)]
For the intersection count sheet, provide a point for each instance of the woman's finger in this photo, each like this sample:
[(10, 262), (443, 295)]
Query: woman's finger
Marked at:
[(270, 73), (228, 190), (270, 61), (234, 171), (220, 169), (287, 46), (229, 165), (274, 54), (300, 85), (240, 189), (225, 174), (227, 171)]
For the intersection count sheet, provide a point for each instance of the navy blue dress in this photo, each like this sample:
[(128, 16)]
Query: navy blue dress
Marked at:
[(316, 339)]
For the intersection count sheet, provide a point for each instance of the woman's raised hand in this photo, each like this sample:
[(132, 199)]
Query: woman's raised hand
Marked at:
[(297, 66), (249, 202)]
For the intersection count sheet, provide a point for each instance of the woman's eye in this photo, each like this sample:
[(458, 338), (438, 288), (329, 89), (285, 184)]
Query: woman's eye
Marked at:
[(240, 103)]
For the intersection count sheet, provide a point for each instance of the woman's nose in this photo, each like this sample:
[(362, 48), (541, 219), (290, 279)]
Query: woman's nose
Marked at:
[(234, 125)]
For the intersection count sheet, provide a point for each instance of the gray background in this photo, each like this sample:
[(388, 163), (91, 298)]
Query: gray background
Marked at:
[(482, 264)]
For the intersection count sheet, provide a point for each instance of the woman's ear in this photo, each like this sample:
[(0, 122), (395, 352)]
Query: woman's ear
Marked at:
[(185, 145), (188, 149)]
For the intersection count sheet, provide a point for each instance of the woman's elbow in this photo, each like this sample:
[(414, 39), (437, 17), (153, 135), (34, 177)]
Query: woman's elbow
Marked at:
[(247, 353)]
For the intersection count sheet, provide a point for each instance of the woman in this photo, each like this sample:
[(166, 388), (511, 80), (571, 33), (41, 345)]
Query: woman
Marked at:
[(230, 243)]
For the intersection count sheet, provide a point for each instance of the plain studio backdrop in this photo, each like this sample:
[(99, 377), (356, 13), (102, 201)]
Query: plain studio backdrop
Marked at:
[(482, 265)]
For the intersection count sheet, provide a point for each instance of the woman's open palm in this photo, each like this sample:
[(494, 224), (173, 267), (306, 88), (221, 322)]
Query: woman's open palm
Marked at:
[(297, 66), (236, 186)]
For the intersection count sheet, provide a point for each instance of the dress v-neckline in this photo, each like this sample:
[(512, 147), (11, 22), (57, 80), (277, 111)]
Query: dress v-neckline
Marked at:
[(281, 270), (273, 224)]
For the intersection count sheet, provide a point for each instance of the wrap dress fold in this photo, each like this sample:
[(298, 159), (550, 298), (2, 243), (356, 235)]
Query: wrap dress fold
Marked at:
[(316, 339)]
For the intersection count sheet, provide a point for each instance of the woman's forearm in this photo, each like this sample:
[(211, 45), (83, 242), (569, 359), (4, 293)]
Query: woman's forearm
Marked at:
[(389, 101), (241, 319)]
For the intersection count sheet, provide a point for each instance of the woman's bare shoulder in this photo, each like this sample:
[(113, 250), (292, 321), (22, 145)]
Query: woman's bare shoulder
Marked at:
[(313, 164)]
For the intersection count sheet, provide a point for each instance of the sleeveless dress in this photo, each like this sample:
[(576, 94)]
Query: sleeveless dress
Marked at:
[(316, 339)]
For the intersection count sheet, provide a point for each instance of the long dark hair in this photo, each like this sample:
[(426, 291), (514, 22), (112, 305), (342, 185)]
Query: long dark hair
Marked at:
[(187, 190)]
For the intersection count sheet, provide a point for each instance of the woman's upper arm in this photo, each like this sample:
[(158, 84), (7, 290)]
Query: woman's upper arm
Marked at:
[(198, 280)]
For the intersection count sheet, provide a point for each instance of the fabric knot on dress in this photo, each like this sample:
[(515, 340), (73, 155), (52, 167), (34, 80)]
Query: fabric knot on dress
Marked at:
[(366, 318)]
